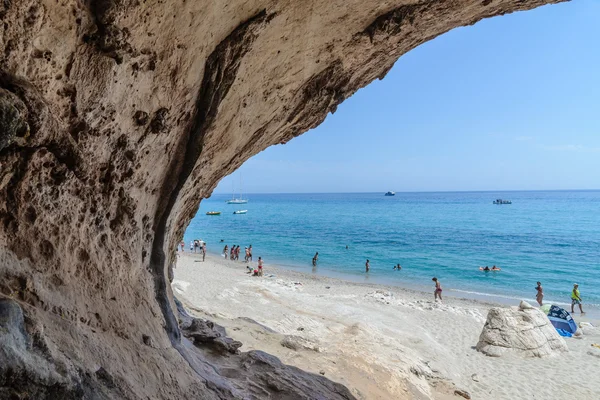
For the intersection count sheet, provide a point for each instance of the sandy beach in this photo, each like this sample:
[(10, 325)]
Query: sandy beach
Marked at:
[(381, 342)]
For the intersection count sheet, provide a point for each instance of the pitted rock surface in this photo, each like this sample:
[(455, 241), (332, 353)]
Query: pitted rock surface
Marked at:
[(525, 330), (116, 118)]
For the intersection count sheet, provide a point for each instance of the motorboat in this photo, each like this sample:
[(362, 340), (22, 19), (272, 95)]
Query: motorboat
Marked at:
[(500, 201), (240, 212), (390, 194), (213, 213)]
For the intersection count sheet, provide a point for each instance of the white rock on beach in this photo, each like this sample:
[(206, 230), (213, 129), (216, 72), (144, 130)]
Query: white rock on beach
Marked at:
[(524, 330)]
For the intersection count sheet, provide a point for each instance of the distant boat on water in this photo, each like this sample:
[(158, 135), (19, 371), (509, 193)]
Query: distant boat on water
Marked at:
[(239, 200), (390, 194), (240, 212), (500, 201), (213, 213)]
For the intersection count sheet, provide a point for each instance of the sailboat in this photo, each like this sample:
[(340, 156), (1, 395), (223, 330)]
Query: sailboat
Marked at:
[(239, 200)]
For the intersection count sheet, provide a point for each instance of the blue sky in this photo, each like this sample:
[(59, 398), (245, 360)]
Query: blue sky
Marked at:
[(511, 103)]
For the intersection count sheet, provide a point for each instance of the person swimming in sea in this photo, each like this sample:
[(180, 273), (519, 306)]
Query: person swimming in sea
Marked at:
[(438, 289), (397, 267), (540, 293)]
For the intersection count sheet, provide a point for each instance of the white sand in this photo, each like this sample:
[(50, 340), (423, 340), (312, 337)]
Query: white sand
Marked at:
[(381, 342)]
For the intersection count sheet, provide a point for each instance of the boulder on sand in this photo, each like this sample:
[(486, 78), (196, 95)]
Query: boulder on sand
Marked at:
[(524, 330)]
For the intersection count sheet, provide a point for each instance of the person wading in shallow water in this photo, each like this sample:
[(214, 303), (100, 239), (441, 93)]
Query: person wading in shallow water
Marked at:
[(315, 259), (539, 297), (367, 266), (438, 289)]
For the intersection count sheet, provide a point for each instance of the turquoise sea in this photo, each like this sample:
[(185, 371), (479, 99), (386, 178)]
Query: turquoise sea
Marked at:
[(553, 237)]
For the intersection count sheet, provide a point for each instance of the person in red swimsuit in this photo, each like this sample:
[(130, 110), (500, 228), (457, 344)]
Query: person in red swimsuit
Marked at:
[(438, 289)]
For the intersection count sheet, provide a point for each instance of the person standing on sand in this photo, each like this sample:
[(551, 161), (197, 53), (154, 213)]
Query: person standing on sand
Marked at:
[(182, 244), (315, 259), (250, 253), (247, 254), (237, 253), (260, 266), (540, 294), (576, 299), (367, 266), (225, 251), (203, 251), (438, 289)]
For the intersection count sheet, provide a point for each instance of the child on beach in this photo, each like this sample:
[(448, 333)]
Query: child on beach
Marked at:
[(540, 293), (438, 289), (576, 299)]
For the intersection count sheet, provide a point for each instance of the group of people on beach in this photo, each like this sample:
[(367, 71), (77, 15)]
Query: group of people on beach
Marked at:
[(575, 297), (196, 246), (256, 272), (234, 253)]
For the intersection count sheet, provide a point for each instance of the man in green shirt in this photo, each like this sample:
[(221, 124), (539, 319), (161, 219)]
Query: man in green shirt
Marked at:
[(576, 299)]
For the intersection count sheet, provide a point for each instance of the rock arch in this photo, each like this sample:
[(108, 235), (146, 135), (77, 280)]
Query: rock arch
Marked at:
[(116, 118)]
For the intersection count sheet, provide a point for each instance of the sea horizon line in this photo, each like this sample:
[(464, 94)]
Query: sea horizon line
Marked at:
[(426, 191)]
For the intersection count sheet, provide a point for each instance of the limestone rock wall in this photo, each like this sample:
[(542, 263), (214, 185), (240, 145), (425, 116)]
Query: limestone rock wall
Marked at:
[(117, 117)]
